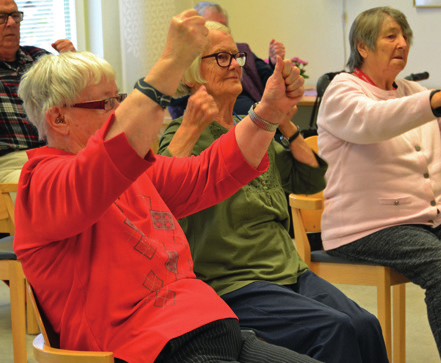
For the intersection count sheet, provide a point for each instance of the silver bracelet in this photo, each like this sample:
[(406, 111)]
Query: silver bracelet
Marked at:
[(260, 122)]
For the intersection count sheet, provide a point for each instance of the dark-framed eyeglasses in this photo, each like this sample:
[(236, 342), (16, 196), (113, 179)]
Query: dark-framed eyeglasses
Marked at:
[(224, 59), (107, 104), (17, 16)]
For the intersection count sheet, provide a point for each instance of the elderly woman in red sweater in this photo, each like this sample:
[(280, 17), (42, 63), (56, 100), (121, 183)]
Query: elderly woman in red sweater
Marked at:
[(96, 211)]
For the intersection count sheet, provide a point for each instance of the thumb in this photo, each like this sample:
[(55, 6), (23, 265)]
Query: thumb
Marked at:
[(279, 66)]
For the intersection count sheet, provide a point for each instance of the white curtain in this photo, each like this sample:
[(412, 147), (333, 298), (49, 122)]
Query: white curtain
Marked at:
[(143, 28)]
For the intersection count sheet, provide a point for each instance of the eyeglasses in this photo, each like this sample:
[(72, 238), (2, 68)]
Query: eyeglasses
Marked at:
[(17, 16), (107, 104), (224, 59)]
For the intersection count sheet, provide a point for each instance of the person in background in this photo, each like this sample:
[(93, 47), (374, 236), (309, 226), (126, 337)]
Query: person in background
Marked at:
[(255, 72), (241, 247), (381, 138), (96, 231), (17, 134)]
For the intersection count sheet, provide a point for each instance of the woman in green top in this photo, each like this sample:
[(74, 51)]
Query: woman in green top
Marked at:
[(242, 247)]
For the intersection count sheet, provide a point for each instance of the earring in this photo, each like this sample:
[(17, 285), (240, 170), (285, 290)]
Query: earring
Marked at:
[(59, 119)]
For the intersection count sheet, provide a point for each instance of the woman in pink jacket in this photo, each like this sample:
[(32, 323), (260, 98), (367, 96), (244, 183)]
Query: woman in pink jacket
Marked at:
[(381, 138)]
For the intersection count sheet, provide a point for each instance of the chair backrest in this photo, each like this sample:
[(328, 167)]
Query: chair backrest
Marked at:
[(49, 335), (322, 84), (47, 344), (7, 224), (312, 218)]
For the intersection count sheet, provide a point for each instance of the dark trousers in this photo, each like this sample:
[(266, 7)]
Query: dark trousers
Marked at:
[(223, 341), (412, 250), (310, 317)]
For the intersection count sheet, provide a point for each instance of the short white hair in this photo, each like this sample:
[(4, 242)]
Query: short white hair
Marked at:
[(58, 80)]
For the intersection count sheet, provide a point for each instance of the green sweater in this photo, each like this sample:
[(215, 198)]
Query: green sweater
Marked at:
[(245, 238)]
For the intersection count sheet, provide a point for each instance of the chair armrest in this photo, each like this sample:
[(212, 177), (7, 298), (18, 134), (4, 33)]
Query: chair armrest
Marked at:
[(8, 187)]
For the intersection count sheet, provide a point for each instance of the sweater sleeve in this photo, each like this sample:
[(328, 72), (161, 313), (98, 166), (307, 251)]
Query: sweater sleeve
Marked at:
[(360, 113), (297, 177), (76, 190), (202, 181)]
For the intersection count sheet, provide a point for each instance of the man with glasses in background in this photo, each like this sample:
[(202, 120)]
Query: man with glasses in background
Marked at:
[(16, 133)]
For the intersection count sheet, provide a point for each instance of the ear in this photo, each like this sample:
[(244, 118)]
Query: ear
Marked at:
[(57, 121), (189, 84), (362, 49)]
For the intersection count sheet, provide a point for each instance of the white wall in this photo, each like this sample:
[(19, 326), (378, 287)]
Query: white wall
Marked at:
[(99, 31), (314, 30)]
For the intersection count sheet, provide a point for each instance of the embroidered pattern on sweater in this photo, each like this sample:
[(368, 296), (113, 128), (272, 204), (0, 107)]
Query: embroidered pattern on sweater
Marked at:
[(148, 246)]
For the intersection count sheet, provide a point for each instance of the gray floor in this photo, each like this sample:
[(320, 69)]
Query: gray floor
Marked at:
[(420, 344)]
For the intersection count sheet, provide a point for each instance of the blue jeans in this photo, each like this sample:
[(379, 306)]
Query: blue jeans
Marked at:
[(412, 250), (311, 317)]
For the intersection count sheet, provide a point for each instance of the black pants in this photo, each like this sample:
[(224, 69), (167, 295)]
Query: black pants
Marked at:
[(223, 341)]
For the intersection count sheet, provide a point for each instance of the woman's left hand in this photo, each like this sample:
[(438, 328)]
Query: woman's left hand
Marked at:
[(287, 119)]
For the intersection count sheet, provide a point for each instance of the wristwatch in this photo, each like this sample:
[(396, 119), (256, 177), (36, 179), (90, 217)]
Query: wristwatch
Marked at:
[(286, 141)]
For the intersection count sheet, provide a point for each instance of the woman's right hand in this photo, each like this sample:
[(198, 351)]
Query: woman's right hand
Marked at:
[(186, 39), (283, 90), (201, 110)]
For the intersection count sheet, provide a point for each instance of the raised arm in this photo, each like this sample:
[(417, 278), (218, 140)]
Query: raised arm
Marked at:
[(283, 91), (187, 36), (300, 150)]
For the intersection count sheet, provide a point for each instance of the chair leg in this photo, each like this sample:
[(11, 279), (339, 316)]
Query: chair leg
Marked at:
[(17, 292), (384, 312), (399, 323), (31, 319)]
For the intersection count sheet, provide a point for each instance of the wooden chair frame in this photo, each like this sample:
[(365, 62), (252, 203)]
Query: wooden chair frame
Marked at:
[(11, 270), (44, 344), (306, 215)]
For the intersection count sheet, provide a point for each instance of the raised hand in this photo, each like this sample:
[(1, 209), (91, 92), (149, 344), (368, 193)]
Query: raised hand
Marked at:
[(201, 110), (63, 45), (276, 49), (284, 88), (187, 37)]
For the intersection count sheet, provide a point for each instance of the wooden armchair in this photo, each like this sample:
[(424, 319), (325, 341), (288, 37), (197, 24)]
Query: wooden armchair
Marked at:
[(11, 271), (306, 214), (46, 345)]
